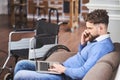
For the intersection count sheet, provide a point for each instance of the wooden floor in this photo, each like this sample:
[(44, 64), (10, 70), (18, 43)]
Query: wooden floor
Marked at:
[(67, 38)]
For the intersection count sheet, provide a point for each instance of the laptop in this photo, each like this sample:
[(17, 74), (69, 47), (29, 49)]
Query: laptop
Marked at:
[(43, 66)]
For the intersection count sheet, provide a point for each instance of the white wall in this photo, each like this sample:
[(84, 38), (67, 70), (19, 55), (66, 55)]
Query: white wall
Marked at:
[(3, 6)]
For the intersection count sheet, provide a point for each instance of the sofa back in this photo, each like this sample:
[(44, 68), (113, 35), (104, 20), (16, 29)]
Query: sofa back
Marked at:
[(105, 68)]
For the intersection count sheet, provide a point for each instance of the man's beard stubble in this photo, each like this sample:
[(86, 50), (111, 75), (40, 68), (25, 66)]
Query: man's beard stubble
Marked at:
[(92, 38)]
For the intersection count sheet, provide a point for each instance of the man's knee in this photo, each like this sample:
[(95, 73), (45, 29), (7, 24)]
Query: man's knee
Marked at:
[(25, 75), (24, 65), (20, 75)]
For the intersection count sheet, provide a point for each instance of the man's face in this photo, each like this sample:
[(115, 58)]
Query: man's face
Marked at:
[(93, 30)]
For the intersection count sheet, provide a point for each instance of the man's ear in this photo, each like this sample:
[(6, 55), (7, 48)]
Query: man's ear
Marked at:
[(100, 29), (101, 26)]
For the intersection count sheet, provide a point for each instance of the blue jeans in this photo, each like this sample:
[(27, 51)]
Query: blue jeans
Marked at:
[(25, 70)]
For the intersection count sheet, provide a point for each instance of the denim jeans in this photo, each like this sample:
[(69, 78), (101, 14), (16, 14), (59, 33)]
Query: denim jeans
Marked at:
[(25, 70)]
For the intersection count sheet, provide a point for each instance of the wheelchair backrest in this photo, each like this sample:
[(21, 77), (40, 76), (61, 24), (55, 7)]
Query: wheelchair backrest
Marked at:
[(43, 27), (46, 33)]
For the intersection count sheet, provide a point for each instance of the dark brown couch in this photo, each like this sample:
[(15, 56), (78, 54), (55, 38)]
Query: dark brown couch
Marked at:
[(104, 69)]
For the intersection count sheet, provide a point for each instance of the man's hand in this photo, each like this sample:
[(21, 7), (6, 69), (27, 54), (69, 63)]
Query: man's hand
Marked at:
[(57, 68), (85, 37)]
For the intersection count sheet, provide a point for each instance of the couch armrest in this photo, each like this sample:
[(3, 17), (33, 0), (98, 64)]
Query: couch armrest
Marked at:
[(100, 71), (112, 58), (105, 67)]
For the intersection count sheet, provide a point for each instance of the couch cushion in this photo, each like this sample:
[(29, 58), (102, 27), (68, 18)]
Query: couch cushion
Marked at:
[(60, 56), (100, 71), (112, 59)]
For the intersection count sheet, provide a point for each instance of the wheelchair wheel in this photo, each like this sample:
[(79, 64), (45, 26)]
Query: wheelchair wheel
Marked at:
[(53, 49), (8, 76)]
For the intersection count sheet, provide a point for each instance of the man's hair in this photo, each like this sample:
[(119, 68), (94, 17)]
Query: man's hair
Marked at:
[(98, 16)]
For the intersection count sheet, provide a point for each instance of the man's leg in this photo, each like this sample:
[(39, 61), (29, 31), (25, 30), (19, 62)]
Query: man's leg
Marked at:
[(24, 65), (25, 70), (33, 75)]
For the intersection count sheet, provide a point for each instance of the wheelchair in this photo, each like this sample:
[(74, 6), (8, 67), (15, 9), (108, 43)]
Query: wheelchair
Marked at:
[(38, 43)]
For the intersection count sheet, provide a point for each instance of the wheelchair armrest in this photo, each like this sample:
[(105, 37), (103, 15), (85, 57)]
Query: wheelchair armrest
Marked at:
[(43, 35), (25, 29), (22, 31), (20, 35)]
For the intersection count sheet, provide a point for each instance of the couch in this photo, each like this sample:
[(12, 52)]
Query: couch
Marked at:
[(105, 68)]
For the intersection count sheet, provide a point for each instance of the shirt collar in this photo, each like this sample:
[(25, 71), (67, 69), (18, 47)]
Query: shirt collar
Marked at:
[(102, 37)]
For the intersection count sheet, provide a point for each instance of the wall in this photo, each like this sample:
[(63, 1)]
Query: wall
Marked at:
[(3, 6)]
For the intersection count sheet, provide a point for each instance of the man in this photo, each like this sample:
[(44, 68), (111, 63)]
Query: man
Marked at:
[(95, 43)]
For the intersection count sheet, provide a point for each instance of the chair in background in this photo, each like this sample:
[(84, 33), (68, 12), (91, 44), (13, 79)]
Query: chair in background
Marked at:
[(40, 11), (40, 42), (20, 14), (46, 40), (53, 10), (18, 47)]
